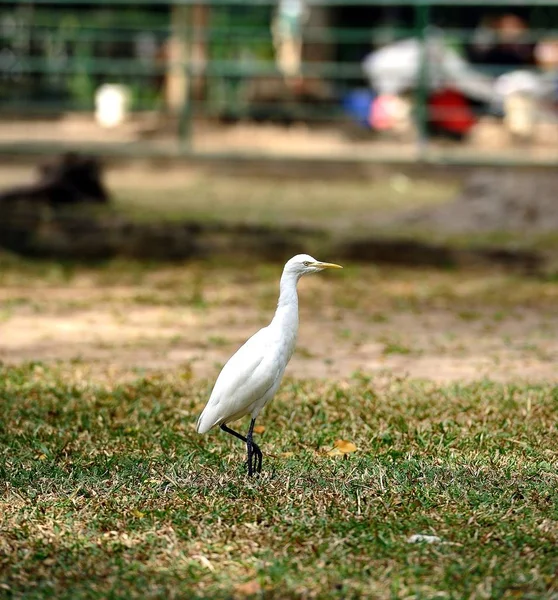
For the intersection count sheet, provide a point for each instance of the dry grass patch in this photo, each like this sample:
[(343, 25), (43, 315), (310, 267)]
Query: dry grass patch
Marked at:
[(441, 325)]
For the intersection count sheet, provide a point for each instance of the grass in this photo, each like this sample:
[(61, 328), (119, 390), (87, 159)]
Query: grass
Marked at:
[(421, 321), (370, 288), (346, 208), (210, 196), (107, 491)]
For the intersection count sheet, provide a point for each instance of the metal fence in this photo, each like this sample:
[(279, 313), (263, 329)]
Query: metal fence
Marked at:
[(247, 78)]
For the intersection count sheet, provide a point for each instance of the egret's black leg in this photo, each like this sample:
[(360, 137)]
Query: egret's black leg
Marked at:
[(259, 458), (250, 461), (235, 433), (254, 452)]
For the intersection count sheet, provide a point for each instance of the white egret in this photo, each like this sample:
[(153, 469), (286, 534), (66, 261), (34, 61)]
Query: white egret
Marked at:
[(253, 374)]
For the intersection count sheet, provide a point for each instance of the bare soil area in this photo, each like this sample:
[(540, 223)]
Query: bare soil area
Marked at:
[(443, 327), (147, 132)]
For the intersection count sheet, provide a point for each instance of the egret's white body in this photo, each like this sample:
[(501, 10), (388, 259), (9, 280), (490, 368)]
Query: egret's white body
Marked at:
[(253, 374)]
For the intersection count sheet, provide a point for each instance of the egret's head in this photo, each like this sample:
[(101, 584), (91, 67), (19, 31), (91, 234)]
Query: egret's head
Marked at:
[(301, 264)]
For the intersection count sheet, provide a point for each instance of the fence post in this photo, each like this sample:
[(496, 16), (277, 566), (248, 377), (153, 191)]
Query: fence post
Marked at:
[(179, 87), (185, 119), (422, 20)]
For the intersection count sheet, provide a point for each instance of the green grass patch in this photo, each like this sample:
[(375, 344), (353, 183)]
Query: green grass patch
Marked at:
[(216, 197), (108, 492)]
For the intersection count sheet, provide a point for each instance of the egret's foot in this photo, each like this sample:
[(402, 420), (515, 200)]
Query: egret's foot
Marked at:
[(254, 458), (259, 458)]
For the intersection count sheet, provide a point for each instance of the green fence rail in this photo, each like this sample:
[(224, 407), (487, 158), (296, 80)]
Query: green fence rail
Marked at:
[(204, 79)]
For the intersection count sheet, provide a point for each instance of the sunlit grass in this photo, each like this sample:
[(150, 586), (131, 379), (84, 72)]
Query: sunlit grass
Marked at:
[(109, 492), (357, 287)]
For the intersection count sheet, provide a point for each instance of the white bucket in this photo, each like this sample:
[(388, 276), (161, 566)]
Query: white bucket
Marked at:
[(112, 103)]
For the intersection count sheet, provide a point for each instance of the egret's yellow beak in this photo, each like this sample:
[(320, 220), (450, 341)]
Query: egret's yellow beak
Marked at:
[(323, 265)]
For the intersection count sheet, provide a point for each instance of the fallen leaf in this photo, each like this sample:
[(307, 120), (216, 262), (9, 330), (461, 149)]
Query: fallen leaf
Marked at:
[(249, 588), (287, 454), (335, 452), (259, 428), (341, 447), (42, 457), (138, 514)]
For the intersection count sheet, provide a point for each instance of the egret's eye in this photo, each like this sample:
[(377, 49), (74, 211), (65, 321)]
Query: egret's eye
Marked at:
[(306, 263)]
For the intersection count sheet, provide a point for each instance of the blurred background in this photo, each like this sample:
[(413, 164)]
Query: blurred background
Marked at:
[(377, 80), (420, 136), (173, 109)]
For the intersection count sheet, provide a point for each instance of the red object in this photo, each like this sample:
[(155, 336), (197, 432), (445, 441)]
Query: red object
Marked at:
[(449, 110)]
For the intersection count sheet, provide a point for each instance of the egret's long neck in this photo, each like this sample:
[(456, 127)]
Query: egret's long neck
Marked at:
[(287, 307)]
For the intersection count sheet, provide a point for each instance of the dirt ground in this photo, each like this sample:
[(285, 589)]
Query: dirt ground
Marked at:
[(146, 131), (443, 326), (440, 328)]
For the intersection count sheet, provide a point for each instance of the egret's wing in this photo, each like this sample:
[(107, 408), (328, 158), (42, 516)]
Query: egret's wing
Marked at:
[(246, 377)]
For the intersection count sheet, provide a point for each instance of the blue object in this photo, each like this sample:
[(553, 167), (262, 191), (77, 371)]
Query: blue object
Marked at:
[(357, 104)]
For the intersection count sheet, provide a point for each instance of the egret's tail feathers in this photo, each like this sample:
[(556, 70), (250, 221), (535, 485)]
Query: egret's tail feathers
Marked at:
[(205, 422)]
